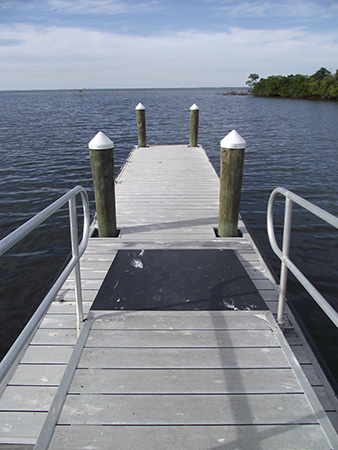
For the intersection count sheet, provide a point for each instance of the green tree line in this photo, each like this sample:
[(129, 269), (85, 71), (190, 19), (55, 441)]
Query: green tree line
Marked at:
[(322, 85)]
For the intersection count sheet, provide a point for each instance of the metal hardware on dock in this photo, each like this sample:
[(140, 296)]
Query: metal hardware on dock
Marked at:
[(77, 251), (283, 254)]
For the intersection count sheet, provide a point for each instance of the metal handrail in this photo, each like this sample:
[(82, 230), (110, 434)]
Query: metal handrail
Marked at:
[(283, 254), (77, 251)]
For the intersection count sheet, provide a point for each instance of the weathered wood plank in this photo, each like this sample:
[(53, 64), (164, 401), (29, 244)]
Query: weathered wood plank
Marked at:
[(103, 254), (311, 375), (28, 398), (205, 381), (57, 321), (268, 295), (267, 437), (46, 354), (263, 284), (67, 307), (20, 427), (57, 337), (167, 236), (160, 202), (38, 375), (85, 283), (189, 338), (89, 269), (273, 306), (301, 354), (186, 358), (325, 401), (184, 320), (88, 295), (186, 409), (16, 446)]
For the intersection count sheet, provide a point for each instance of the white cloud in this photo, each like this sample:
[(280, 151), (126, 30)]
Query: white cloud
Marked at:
[(75, 57), (296, 9), (109, 7)]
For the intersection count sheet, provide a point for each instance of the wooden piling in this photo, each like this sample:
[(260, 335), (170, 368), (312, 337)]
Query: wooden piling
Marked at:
[(231, 172), (102, 164), (141, 125), (194, 115)]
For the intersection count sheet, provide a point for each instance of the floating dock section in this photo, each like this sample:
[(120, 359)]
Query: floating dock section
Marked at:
[(180, 349)]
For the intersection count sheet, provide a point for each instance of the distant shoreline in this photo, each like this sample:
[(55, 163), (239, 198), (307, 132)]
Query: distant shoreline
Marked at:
[(322, 85), (237, 93), (296, 97)]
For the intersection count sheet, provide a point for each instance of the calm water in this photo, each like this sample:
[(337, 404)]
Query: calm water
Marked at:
[(44, 152)]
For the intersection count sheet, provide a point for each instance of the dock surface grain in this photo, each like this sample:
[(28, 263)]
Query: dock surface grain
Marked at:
[(215, 370), (171, 379)]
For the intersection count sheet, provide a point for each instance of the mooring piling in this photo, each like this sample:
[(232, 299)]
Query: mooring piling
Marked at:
[(194, 114), (102, 163), (141, 125), (231, 173)]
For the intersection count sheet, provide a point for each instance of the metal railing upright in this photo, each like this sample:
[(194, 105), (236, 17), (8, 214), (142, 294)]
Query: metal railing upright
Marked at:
[(283, 254), (77, 250)]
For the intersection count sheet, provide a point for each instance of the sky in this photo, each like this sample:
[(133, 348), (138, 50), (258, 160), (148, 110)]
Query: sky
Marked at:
[(76, 44)]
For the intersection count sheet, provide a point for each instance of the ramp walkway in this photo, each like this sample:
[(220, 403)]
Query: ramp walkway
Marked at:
[(180, 348)]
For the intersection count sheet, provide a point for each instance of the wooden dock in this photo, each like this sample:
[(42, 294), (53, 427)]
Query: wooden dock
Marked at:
[(176, 379)]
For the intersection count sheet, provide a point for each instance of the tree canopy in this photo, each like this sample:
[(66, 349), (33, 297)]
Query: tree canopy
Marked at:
[(322, 85)]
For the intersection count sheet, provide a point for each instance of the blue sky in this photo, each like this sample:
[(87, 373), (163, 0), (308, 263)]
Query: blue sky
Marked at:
[(56, 44)]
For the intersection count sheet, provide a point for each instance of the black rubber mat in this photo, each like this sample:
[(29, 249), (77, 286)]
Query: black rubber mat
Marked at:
[(177, 280)]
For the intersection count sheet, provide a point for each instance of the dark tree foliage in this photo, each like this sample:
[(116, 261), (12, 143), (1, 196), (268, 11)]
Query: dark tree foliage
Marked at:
[(253, 78), (322, 84)]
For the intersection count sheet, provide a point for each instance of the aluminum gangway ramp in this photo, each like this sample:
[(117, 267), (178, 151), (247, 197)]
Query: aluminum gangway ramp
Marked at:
[(180, 348), (184, 379)]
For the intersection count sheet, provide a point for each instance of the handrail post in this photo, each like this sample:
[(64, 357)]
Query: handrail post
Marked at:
[(141, 125), (102, 162), (283, 255), (6, 243), (284, 270), (194, 115), (231, 173), (75, 254)]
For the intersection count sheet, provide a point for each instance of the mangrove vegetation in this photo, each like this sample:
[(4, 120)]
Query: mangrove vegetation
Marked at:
[(323, 84)]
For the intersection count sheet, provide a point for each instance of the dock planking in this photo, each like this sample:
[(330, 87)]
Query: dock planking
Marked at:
[(177, 379)]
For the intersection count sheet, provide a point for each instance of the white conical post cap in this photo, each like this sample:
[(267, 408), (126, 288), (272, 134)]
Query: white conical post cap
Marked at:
[(194, 107), (139, 107), (233, 140), (101, 142)]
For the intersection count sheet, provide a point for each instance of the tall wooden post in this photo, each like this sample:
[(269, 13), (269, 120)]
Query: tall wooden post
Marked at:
[(102, 163), (194, 113), (141, 125), (232, 161)]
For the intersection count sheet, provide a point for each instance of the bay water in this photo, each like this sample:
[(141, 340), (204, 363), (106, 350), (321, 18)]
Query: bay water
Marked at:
[(44, 139)]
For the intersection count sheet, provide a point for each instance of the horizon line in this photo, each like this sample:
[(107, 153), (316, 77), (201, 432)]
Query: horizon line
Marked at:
[(121, 88)]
